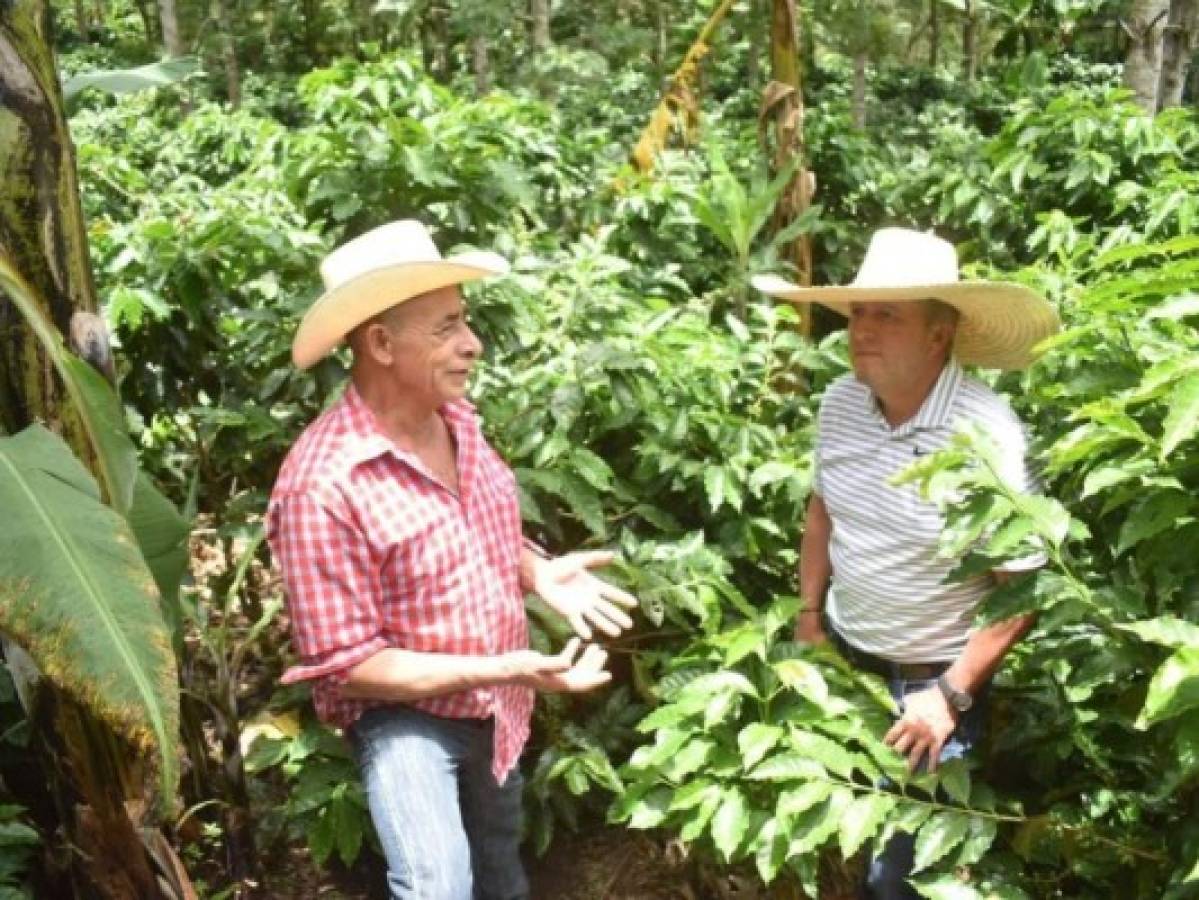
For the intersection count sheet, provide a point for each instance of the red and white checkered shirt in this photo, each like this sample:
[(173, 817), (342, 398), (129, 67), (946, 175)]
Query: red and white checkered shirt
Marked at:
[(375, 552)]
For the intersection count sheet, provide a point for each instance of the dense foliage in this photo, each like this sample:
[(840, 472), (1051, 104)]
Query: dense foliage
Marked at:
[(648, 402)]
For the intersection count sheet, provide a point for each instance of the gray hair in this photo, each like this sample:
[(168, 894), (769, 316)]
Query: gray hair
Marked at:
[(937, 312)]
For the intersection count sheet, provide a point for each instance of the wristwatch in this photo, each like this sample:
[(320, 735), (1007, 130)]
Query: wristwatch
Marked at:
[(959, 700)]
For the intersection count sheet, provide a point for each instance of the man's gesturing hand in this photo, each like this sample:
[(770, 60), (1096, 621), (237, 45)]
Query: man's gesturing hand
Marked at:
[(578, 596), (925, 726), (560, 672)]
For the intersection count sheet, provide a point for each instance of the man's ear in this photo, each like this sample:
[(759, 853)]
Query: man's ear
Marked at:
[(943, 334), (379, 343)]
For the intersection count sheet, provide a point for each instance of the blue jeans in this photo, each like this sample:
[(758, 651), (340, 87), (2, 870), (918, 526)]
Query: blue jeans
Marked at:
[(889, 869), (449, 832)]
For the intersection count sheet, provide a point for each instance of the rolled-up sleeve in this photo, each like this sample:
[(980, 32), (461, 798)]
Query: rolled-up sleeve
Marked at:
[(333, 590)]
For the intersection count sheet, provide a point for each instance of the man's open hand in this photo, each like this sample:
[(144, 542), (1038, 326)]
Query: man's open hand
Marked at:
[(925, 726), (578, 596), (562, 672)]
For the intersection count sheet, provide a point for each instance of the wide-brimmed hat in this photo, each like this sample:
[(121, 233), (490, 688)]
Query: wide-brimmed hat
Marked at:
[(388, 265), (1000, 322)]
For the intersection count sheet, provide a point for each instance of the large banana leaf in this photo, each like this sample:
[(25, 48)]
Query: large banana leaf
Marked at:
[(161, 533), (75, 591), (91, 395)]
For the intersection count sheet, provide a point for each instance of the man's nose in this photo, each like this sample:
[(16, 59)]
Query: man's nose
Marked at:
[(471, 345)]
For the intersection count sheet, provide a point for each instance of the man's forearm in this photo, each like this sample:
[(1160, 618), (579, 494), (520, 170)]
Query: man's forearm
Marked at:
[(815, 569), (400, 675), (985, 651)]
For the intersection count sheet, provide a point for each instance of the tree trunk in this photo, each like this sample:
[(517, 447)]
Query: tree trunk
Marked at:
[(1142, 66), (170, 28), (661, 38), (220, 12), (96, 781), (481, 63), (309, 10), (859, 89), (934, 32), (1181, 40), (782, 107), (540, 11), (81, 22), (436, 35), (969, 40), (145, 10)]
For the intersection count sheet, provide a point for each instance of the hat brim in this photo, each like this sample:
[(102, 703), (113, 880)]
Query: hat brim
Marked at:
[(337, 312), (1001, 322)]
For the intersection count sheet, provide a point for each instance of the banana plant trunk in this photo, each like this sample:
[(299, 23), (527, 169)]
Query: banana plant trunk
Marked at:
[(224, 20), (96, 783), (1178, 49), (782, 108), (540, 14), (1143, 64)]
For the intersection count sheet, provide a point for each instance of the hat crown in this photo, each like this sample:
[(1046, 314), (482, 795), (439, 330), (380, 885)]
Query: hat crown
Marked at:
[(900, 257), (394, 244)]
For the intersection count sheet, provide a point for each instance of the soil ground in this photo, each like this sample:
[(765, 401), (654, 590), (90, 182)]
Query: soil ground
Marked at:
[(603, 864)]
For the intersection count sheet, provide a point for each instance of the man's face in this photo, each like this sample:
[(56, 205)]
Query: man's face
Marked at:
[(893, 345), (433, 347)]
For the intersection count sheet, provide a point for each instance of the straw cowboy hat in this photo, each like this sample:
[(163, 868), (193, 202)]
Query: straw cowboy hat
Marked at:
[(1000, 322), (374, 272)]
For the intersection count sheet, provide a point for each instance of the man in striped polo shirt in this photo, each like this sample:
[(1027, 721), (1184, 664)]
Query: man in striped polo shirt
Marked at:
[(869, 561)]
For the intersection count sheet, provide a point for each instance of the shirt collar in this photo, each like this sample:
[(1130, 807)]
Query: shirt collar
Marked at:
[(363, 441), (935, 411)]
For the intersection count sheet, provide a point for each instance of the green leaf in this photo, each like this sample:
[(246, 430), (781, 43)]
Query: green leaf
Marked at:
[(939, 835), (1165, 630), (1174, 688), (162, 535), (1151, 516), (791, 766), (755, 741), (978, 841), (730, 823), (594, 470), (955, 780), (804, 678), (801, 799), (650, 811), (714, 487), (346, 822), (823, 821), (321, 837), (861, 820), (772, 851), (830, 754), (92, 397), (77, 595), (1183, 418), (947, 887)]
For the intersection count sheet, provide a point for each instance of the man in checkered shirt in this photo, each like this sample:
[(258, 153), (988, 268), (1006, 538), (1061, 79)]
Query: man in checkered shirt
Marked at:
[(397, 530)]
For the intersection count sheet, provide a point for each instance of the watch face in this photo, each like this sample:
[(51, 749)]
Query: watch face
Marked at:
[(959, 700)]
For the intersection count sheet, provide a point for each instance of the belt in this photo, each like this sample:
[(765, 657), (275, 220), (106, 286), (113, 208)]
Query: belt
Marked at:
[(903, 671)]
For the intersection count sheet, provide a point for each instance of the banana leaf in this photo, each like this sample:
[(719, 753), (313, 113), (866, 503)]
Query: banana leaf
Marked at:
[(91, 395), (162, 533), (77, 594)]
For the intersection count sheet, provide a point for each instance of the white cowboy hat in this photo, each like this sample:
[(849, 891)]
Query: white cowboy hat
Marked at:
[(1000, 322), (388, 265)]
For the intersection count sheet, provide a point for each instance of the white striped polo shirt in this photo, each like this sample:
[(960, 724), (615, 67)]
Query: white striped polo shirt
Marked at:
[(889, 594)]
